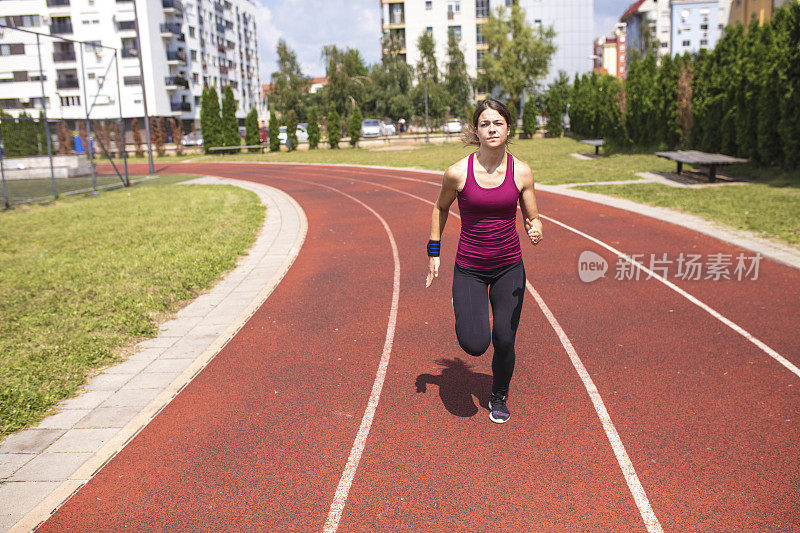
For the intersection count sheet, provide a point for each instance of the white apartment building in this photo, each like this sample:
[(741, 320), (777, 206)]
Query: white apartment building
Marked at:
[(186, 44), (572, 20)]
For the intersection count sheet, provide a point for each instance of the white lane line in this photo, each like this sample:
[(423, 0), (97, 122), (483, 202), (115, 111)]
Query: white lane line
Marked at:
[(713, 312), (625, 464), (702, 305), (346, 480), (634, 485)]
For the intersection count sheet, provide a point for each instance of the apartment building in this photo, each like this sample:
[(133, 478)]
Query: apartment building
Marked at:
[(572, 20), (185, 45), (743, 11)]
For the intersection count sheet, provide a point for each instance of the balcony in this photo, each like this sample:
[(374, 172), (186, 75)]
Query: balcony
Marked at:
[(57, 3), (61, 28), (219, 6), (169, 29), (67, 83), (180, 107), (173, 82), (172, 6), (126, 25), (223, 70), (221, 48), (220, 28), (130, 52), (64, 55), (176, 56)]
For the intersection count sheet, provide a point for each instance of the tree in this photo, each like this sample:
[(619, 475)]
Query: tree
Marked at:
[(347, 77), (641, 102), (556, 101), (82, 135), (529, 122), (354, 131), (274, 141), (119, 140), (157, 134), (456, 79), (668, 128), (230, 125), (313, 129), (392, 82), (289, 85), (210, 121), (515, 60), (787, 44), (334, 127), (291, 130), (41, 134), (177, 135), (512, 110), (251, 133), (137, 137), (685, 101), (426, 66)]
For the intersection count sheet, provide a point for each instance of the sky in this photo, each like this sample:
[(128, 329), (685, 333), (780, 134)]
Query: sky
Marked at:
[(308, 25)]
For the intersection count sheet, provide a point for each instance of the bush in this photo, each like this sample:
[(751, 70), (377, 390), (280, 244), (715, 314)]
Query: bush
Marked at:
[(512, 108), (291, 130), (210, 121), (177, 135), (230, 125), (313, 129), (334, 127), (355, 126), (137, 137), (529, 124), (274, 141)]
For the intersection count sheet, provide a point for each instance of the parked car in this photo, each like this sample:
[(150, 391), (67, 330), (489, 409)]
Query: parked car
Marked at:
[(370, 128), (302, 134), (193, 139), (453, 125), (388, 127)]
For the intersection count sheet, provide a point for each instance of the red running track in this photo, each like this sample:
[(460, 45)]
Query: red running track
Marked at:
[(707, 420)]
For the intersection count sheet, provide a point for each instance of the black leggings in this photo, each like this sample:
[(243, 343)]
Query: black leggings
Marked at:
[(506, 289)]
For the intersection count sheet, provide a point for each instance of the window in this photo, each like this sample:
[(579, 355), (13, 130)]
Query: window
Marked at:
[(20, 75), (429, 30), (703, 42), (428, 5), (664, 45), (132, 80), (479, 57), (482, 9), (455, 31), (193, 55), (509, 3), (454, 6), (480, 38), (12, 49), (704, 26), (70, 101), (686, 43), (195, 77), (191, 31), (196, 100)]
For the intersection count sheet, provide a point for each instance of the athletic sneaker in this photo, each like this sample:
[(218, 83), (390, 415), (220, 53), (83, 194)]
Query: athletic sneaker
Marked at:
[(498, 410)]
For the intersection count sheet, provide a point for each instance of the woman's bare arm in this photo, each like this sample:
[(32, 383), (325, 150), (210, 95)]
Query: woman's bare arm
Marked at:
[(527, 204), (447, 195)]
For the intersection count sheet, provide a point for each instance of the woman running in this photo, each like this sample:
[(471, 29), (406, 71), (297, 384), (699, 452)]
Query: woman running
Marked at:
[(488, 267)]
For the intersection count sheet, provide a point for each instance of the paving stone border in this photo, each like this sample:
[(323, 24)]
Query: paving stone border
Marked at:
[(40, 468)]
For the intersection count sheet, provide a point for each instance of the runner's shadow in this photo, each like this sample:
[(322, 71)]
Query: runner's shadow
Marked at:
[(457, 385)]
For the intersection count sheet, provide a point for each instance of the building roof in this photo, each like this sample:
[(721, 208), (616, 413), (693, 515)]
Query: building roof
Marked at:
[(634, 7)]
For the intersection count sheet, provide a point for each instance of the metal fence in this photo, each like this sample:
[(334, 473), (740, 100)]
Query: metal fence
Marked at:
[(40, 158)]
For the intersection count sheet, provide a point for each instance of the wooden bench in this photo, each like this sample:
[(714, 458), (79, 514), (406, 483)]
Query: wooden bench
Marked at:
[(597, 143), (694, 157)]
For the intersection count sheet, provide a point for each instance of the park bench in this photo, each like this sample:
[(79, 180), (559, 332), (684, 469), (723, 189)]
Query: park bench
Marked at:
[(597, 143), (694, 157), (238, 148)]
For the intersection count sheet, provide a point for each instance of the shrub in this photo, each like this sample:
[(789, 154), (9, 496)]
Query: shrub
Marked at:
[(313, 129), (355, 126), (334, 127)]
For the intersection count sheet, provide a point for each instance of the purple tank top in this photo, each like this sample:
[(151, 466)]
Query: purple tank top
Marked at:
[(489, 236)]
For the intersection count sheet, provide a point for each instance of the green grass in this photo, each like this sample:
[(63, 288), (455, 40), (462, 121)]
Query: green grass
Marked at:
[(84, 277), (770, 206), (549, 159)]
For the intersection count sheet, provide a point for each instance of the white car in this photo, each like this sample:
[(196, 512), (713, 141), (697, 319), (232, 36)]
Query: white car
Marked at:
[(453, 125), (302, 134), (388, 127), (370, 128), (192, 139)]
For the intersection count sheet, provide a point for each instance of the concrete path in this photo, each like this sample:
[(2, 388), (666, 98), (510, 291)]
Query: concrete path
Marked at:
[(42, 467)]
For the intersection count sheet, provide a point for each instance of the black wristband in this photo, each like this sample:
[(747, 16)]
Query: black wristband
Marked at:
[(433, 248)]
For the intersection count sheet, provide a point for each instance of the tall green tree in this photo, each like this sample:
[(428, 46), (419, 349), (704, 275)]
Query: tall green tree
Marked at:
[(642, 104), (347, 77), (354, 130), (289, 85), (252, 136), (787, 44), (515, 59), (392, 82), (210, 120), (334, 127), (426, 66), (667, 126), (769, 145), (556, 101), (273, 131), (230, 125), (313, 129), (456, 79), (529, 120)]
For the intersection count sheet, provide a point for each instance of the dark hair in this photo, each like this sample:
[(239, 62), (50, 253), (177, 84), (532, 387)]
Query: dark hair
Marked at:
[(470, 135)]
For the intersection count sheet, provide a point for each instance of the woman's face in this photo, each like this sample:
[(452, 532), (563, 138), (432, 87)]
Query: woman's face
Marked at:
[(492, 129)]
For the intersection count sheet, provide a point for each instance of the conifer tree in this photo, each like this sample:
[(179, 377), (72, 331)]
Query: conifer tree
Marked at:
[(769, 145), (230, 125), (354, 131), (274, 126), (212, 126), (313, 129), (251, 135), (456, 79), (334, 127), (157, 134), (529, 118), (787, 29), (291, 130)]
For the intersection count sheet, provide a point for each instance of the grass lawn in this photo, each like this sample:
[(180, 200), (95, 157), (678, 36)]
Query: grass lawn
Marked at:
[(549, 159), (769, 206), (85, 276)]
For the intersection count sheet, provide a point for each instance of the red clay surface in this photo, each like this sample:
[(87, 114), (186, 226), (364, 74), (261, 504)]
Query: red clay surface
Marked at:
[(259, 440)]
